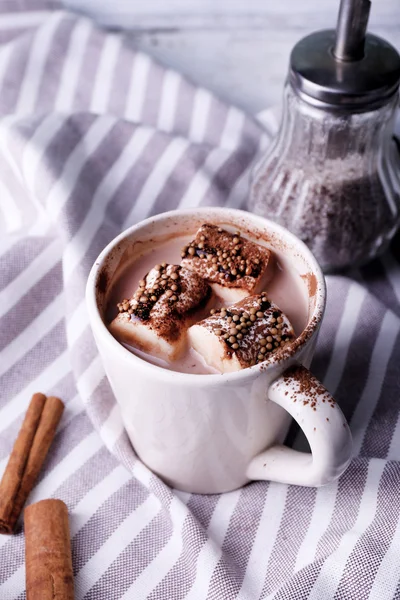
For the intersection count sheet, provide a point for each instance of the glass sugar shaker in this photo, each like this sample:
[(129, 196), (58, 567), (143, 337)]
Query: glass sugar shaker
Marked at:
[(332, 175)]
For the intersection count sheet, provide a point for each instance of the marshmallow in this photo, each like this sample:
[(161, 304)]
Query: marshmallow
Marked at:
[(234, 266), (242, 335), (155, 320)]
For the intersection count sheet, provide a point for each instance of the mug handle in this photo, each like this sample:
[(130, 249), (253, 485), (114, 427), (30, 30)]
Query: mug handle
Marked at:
[(324, 426)]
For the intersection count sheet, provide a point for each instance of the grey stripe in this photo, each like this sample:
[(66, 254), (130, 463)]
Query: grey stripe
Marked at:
[(95, 168), (225, 178), (12, 556), (363, 564), (234, 167), (44, 89), (181, 577), (15, 73), (18, 257), (105, 521), (124, 452), (250, 137), (153, 95), (162, 491), (236, 548), (46, 350), (65, 389), (90, 63), (58, 152), (202, 508), (359, 356), (183, 116), (375, 279), (132, 560), (30, 306), (121, 79), (216, 121), (84, 352), (8, 36), (118, 210), (65, 441), (301, 583), (180, 179), (350, 490), (27, 6), (295, 522), (397, 593), (337, 290), (86, 477), (54, 66), (101, 403), (383, 422)]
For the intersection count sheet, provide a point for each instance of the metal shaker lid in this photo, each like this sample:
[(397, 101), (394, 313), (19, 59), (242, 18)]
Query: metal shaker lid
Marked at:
[(347, 68)]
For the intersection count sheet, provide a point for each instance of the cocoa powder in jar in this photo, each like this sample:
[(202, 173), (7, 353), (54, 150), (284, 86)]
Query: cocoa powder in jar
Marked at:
[(333, 180)]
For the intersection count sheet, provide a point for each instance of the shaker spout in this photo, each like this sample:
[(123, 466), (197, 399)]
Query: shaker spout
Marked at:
[(351, 29)]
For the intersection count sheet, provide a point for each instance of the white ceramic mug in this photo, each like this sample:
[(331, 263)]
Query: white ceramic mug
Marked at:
[(214, 433)]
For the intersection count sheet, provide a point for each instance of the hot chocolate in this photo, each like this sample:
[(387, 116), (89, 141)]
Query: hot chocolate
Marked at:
[(159, 307)]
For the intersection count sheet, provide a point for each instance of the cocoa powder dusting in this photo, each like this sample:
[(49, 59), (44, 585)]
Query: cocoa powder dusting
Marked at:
[(225, 258), (308, 386), (166, 297), (102, 282), (311, 282), (252, 329)]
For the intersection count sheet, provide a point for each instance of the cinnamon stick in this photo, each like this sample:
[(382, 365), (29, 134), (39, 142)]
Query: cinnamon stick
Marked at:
[(27, 457), (48, 559)]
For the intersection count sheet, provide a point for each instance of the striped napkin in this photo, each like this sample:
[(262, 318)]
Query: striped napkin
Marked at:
[(93, 138)]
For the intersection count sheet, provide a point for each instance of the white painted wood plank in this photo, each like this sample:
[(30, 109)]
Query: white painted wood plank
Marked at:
[(245, 67), (238, 49), (215, 14)]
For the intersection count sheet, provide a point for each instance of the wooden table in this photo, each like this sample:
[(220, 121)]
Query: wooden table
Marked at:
[(240, 50)]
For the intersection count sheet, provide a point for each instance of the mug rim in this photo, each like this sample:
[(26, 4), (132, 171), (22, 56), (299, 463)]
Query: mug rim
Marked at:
[(292, 350)]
